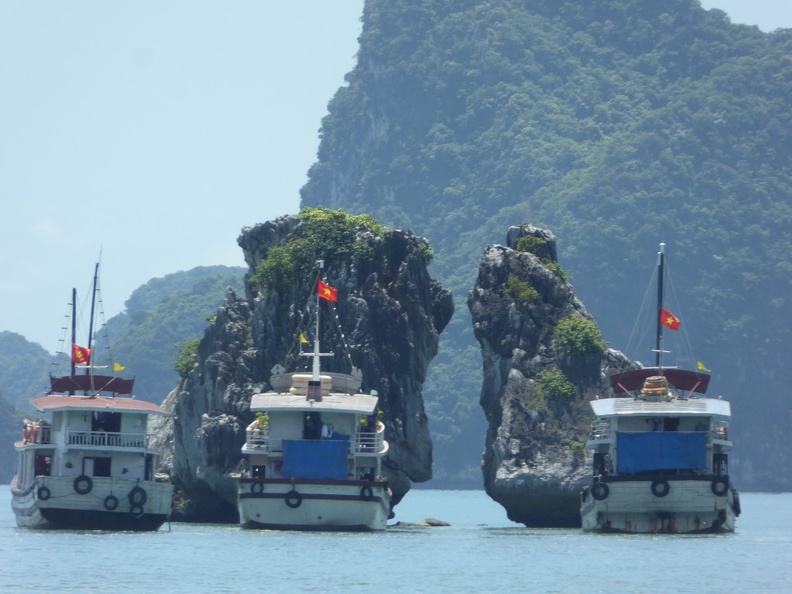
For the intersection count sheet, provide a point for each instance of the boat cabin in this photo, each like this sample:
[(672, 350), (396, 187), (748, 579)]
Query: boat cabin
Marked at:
[(307, 434), (94, 436), (657, 431)]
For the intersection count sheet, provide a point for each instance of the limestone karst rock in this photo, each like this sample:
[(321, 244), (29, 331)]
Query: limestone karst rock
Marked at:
[(534, 464), (390, 312)]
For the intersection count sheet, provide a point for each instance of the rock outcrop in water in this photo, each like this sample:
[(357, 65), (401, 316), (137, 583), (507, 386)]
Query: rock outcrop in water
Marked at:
[(534, 463), (391, 313)]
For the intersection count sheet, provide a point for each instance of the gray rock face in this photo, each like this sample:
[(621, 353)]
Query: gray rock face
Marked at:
[(534, 464), (391, 314)]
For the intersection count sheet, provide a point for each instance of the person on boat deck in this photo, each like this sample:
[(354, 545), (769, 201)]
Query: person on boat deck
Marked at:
[(327, 431), (312, 426), (29, 432)]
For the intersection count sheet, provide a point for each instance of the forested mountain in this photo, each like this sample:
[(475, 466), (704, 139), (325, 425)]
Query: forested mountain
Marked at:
[(617, 124)]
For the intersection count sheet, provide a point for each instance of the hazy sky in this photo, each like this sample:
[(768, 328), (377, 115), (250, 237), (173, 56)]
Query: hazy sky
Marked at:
[(152, 132)]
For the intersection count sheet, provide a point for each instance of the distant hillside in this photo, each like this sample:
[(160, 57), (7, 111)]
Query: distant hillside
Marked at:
[(617, 124), (159, 317), (10, 431), (24, 367)]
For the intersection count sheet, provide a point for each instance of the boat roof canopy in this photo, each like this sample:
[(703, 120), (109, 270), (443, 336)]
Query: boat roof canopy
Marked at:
[(92, 384), (363, 404), (57, 402), (629, 381), (694, 407)]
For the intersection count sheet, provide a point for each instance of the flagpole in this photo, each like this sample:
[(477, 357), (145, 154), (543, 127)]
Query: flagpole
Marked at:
[(315, 376), (660, 274)]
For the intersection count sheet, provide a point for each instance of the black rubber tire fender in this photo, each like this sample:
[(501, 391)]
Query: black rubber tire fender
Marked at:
[(138, 496), (83, 484), (293, 499), (660, 488), (111, 502), (600, 491), (43, 493), (720, 485)]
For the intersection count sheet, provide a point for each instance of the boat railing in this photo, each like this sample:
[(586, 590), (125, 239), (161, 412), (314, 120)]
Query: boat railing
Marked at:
[(368, 441), (600, 430), (365, 441), (107, 439), (259, 439), (720, 431)]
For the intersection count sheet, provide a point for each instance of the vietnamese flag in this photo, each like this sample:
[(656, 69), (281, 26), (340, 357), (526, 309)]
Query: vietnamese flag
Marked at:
[(80, 355), (669, 320), (327, 292)]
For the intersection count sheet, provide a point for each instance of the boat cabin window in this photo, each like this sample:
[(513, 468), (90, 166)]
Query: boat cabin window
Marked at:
[(601, 464), (43, 465), (720, 464), (96, 466), (670, 423), (106, 421)]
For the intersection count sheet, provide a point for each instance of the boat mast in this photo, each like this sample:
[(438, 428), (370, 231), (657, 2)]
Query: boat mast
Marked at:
[(316, 369), (314, 391), (89, 369), (73, 333), (660, 274)]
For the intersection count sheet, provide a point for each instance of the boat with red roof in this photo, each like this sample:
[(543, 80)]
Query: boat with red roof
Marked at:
[(660, 449), (89, 463)]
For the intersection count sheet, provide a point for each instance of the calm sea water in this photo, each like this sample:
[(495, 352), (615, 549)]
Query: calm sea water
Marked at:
[(481, 551)]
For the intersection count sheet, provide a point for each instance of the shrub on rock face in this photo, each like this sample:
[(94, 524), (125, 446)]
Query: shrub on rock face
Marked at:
[(555, 268), (578, 337), (522, 292), (326, 235), (553, 385), (530, 244), (188, 356)]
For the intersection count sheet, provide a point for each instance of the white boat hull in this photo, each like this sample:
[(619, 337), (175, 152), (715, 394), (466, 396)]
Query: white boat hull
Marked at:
[(279, 504), (639, 506), (109, 504)]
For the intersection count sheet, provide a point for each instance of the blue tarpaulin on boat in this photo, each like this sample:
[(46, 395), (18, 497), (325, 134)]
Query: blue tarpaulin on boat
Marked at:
[(641, 452), (315, 459)]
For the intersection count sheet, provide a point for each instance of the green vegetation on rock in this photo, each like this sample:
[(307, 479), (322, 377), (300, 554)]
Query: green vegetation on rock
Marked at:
[(522, 292), (187, 357), (554, 386), (578, 338), (328, 235)]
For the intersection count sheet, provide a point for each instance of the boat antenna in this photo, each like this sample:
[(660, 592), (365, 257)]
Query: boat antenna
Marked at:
[(660, 274)]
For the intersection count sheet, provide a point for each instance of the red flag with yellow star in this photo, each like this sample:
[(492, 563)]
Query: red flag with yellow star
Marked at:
[(328, 292), (80, 355), (669, 320)]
